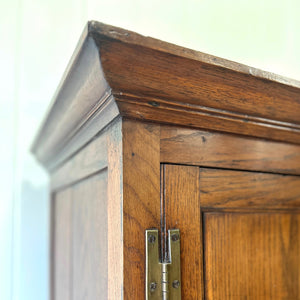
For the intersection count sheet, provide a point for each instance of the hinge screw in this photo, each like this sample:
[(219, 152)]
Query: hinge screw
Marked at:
[(176, 284), (151, 239), (175, 237), (153, 286)]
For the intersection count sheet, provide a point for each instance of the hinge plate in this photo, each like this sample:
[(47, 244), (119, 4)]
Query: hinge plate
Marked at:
[(163, 277)]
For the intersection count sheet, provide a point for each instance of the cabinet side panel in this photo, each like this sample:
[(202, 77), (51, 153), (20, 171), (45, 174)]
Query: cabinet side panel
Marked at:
[(62, 241), (115, 212), (141, 184), (182, 210), (90, 238), (89, 160)]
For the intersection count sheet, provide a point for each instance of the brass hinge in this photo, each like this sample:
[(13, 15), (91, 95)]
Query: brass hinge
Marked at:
[(163, 276)]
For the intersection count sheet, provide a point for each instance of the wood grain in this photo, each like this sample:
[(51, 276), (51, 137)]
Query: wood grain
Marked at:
[(62, 246), (252, 256), (132, 38), (206, 85), (200, 117), (116, 72), (202, 148), (182, 211), (240, 189), (90, 160), (106, 169), (211, 96), (115, 211), (141, 200), (89, 259)]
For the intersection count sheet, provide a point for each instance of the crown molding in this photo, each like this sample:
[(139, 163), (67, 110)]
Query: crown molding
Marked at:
[(115, 72)]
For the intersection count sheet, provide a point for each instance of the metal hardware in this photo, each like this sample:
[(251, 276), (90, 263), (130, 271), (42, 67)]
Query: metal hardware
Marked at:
[(163, 277)]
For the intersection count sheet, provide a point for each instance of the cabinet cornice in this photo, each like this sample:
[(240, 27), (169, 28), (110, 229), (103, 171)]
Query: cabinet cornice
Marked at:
[(115, 72)]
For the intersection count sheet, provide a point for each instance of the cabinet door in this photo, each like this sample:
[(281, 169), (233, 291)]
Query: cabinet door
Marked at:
[(240, 232)]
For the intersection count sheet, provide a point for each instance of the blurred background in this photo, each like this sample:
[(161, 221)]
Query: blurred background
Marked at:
[(37, 40)]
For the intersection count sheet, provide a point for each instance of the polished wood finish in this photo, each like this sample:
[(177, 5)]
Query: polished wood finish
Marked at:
[(144, 134), (117, 72), (252, 256), (141, 196), (209, 149), (251, 233), (240, 189), (181, 195)]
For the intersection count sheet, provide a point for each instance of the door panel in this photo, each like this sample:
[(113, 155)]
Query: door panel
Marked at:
[(252, 256), (240, 232)]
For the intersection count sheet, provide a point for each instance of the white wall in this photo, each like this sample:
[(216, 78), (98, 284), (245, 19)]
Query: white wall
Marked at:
[(37, 40)]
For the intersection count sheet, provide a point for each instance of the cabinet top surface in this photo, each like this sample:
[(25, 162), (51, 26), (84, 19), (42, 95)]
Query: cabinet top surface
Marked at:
[(118, 72)]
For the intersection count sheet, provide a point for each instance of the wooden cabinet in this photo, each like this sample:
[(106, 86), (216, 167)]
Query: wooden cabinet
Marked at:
[(143, 134)]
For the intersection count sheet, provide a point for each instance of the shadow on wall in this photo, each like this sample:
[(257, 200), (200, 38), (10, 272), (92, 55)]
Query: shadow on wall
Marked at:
[(34, 239)]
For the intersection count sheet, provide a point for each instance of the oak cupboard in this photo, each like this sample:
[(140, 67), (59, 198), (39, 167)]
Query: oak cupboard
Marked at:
[(144, 134)]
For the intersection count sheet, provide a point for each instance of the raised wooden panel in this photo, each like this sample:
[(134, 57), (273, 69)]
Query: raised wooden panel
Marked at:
[(211, 149), (89, 263), (62, 246), (241, 189), (252, 256), (181, 206)]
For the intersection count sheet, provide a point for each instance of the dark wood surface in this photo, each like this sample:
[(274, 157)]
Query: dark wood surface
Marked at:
[(126, 36), (204, 118), (117, 72), (141, 200), (194, 81), (144, 134), (240, 189), (181, 196), (210, 149), (252, 256), (251, 232)]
